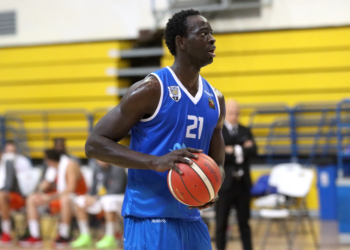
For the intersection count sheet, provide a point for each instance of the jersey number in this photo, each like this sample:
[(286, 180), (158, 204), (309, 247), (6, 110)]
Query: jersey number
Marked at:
[(195, 120)]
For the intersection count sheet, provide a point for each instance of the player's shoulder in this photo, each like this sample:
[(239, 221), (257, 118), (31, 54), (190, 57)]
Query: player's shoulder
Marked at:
[(148, 84), (145, 91), (218, 94)]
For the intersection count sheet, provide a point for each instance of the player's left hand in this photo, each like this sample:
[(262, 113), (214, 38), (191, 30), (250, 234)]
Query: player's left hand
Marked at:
[(209, 204)]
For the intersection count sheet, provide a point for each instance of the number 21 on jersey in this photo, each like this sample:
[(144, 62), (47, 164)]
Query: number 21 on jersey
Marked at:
[(191, 129)]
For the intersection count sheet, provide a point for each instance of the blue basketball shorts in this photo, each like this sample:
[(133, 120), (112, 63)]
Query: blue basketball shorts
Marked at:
[(165, 234)]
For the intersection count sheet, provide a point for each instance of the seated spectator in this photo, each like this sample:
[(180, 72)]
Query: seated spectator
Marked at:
[(21, 163), (60, 146), (106, 195), (10, 198), (67, 180)]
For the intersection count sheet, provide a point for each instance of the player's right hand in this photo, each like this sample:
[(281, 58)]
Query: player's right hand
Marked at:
[(171, 160)]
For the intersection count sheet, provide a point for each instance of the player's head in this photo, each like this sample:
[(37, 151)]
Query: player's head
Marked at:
[(188, 34), (10, 147), (232, 111), (60, 145), (52, 157), (102, 164)]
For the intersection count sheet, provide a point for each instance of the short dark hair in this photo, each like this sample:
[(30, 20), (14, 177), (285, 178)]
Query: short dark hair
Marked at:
[(53, 154), (177, 26), (10, 142)]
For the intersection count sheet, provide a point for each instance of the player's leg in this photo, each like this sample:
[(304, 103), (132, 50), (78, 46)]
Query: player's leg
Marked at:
[(63, 238), (33, 222), (222, 211), (242, 206), (5, 238), (84, 239), (110, 205)]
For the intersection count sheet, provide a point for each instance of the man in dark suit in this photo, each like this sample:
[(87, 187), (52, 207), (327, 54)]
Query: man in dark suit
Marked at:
[(235, 190)]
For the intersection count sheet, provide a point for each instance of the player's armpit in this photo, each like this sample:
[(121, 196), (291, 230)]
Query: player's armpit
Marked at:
[(140, 101)]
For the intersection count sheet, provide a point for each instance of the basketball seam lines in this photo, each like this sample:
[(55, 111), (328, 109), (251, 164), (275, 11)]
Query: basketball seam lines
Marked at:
[(209, 160), (210, 196), (214, 164), (202, 180), (189, 191), (171, 188), (205, 182)]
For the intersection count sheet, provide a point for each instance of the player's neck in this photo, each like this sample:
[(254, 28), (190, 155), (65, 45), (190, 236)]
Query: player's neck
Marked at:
[(187, 74)]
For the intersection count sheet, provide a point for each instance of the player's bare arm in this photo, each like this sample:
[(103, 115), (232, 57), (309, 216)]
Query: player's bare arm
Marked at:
[(217, 145), (140, 101), (73, 175), (44, 186)]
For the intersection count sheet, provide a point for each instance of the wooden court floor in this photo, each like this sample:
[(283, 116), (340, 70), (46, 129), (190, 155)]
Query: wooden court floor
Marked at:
[(326, 233)]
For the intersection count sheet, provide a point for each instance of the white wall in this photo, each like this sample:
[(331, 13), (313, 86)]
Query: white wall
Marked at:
[(286, 14), (62, 21), (57, 21)]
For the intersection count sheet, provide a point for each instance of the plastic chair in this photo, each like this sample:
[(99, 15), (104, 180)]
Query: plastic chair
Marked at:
[(295, 185), (275, 177), (275, 200)]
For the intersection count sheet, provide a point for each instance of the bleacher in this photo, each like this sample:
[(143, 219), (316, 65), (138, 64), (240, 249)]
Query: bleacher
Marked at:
[(290, 66), (58, 91), (282, 81), (280, 78)]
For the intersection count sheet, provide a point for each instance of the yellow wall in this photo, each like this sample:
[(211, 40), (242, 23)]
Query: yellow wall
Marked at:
[(288, 66), (65, 76)]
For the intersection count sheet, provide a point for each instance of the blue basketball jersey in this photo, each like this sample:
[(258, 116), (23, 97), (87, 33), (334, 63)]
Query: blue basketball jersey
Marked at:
[(179, 121)]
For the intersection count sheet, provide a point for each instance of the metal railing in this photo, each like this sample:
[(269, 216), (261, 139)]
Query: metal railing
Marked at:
[(327, 122)]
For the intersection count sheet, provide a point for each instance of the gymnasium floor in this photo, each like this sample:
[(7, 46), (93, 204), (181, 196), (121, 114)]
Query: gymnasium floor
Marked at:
[(326, 232)]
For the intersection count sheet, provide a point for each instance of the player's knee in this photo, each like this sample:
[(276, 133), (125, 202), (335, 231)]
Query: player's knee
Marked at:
[(65, 200)]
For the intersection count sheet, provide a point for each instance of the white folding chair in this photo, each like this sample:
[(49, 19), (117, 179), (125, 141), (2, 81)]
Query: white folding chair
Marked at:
[(272, 200), (275, 200), (296, 185)]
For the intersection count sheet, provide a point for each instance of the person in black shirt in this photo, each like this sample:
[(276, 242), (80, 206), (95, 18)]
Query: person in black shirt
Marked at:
[(106, 194), (235, 190)]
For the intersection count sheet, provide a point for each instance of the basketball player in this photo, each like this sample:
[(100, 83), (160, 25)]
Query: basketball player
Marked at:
[(66, 182), (172, 114), (10, 198), (106, 195)]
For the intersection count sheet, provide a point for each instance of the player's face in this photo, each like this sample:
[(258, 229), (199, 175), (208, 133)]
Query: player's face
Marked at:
[(10, 148), (200, 41)]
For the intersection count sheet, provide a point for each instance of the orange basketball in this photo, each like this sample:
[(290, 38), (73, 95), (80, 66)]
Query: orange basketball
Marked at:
[(199, 183)]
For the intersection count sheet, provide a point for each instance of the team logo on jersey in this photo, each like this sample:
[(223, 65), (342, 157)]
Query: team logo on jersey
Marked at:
[(175, 93), (211, 103)]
